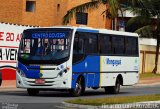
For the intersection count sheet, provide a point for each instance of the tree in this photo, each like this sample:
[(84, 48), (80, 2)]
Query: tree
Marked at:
[(112, 7), (148, 20)]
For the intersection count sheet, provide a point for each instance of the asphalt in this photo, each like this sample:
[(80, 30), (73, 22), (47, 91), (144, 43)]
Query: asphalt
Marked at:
[(53, 100)]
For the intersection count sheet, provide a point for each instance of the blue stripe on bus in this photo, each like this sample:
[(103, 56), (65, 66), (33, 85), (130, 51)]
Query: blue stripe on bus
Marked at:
[(87, 30), (30, 73), (90, 69), (89, 64), (33, 67)]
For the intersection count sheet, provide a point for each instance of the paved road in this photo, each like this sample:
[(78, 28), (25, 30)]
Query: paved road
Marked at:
[(53, 99)]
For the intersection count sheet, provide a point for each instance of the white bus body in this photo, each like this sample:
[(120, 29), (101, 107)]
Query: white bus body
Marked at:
[(78, 57)]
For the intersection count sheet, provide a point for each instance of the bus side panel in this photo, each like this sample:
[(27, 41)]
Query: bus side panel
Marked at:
[(90, 69), (91, 79), (112, 66), (97, 79), (130, 78), (108, 79)]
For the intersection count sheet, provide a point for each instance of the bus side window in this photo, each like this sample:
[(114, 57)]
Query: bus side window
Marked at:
[(91, 44), (118, 45), (81, 46), (131, 46), (105, 44), (75, 46), (78, 48)]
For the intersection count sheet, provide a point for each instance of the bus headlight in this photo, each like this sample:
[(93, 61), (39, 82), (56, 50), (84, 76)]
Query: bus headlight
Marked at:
[(63, 71), (21, 72)]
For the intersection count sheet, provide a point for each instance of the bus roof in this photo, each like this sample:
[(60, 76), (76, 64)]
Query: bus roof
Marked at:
[(117, 32), (94, 30), (103, 31)]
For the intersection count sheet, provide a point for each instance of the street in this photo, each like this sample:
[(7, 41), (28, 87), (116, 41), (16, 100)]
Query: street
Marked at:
[(53, 99)]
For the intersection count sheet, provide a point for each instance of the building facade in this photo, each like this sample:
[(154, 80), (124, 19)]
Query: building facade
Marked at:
[(50, 13)]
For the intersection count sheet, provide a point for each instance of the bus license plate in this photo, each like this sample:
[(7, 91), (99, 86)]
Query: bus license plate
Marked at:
[(39, 81)]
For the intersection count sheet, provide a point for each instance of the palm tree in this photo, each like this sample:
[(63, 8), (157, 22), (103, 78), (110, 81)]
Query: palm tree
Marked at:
[(112, 7), (148, 20), (145, 9)]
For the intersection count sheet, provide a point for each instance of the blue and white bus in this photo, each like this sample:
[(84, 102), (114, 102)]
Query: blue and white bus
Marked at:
[(75, 58)]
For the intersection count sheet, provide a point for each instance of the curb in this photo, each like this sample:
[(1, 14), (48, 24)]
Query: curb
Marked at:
[(146, 104), (10, 89), (153, 84), (8, 84), (80, 106)]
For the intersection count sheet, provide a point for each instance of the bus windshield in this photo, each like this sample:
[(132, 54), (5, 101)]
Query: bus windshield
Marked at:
[(44, 46)]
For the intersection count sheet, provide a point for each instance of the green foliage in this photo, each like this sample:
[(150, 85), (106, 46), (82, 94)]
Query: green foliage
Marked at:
[(148, 12), (147, 24), (93, 4), (111, 12), (142, 20), (114, 6), (115, 100), (145, 31)]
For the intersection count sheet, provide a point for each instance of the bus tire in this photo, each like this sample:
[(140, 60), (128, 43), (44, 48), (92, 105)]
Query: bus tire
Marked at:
[(116, 88), (113, 89), (32, 92), (79, 89)]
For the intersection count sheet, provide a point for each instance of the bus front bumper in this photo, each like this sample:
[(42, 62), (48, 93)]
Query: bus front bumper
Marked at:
[(55, 83)]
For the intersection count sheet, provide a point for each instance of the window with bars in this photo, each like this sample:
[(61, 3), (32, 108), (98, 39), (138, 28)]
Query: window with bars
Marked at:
[(81, 18), (30, 6)]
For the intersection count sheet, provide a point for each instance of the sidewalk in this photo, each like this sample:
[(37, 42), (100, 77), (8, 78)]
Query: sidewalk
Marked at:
[(146, 81), (8, 84), (149, 81)]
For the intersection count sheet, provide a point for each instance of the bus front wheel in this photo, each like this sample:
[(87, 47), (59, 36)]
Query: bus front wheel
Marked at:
[(79, 89), (32, 92), (113, 89)]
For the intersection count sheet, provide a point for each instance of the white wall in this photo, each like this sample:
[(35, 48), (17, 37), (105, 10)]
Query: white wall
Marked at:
[(10, 36), (126, 14), (148, 41)]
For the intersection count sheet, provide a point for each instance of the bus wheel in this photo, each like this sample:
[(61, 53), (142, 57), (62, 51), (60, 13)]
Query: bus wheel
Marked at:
[(113, 89), (79, 89), (117, 87), (32, 92)]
